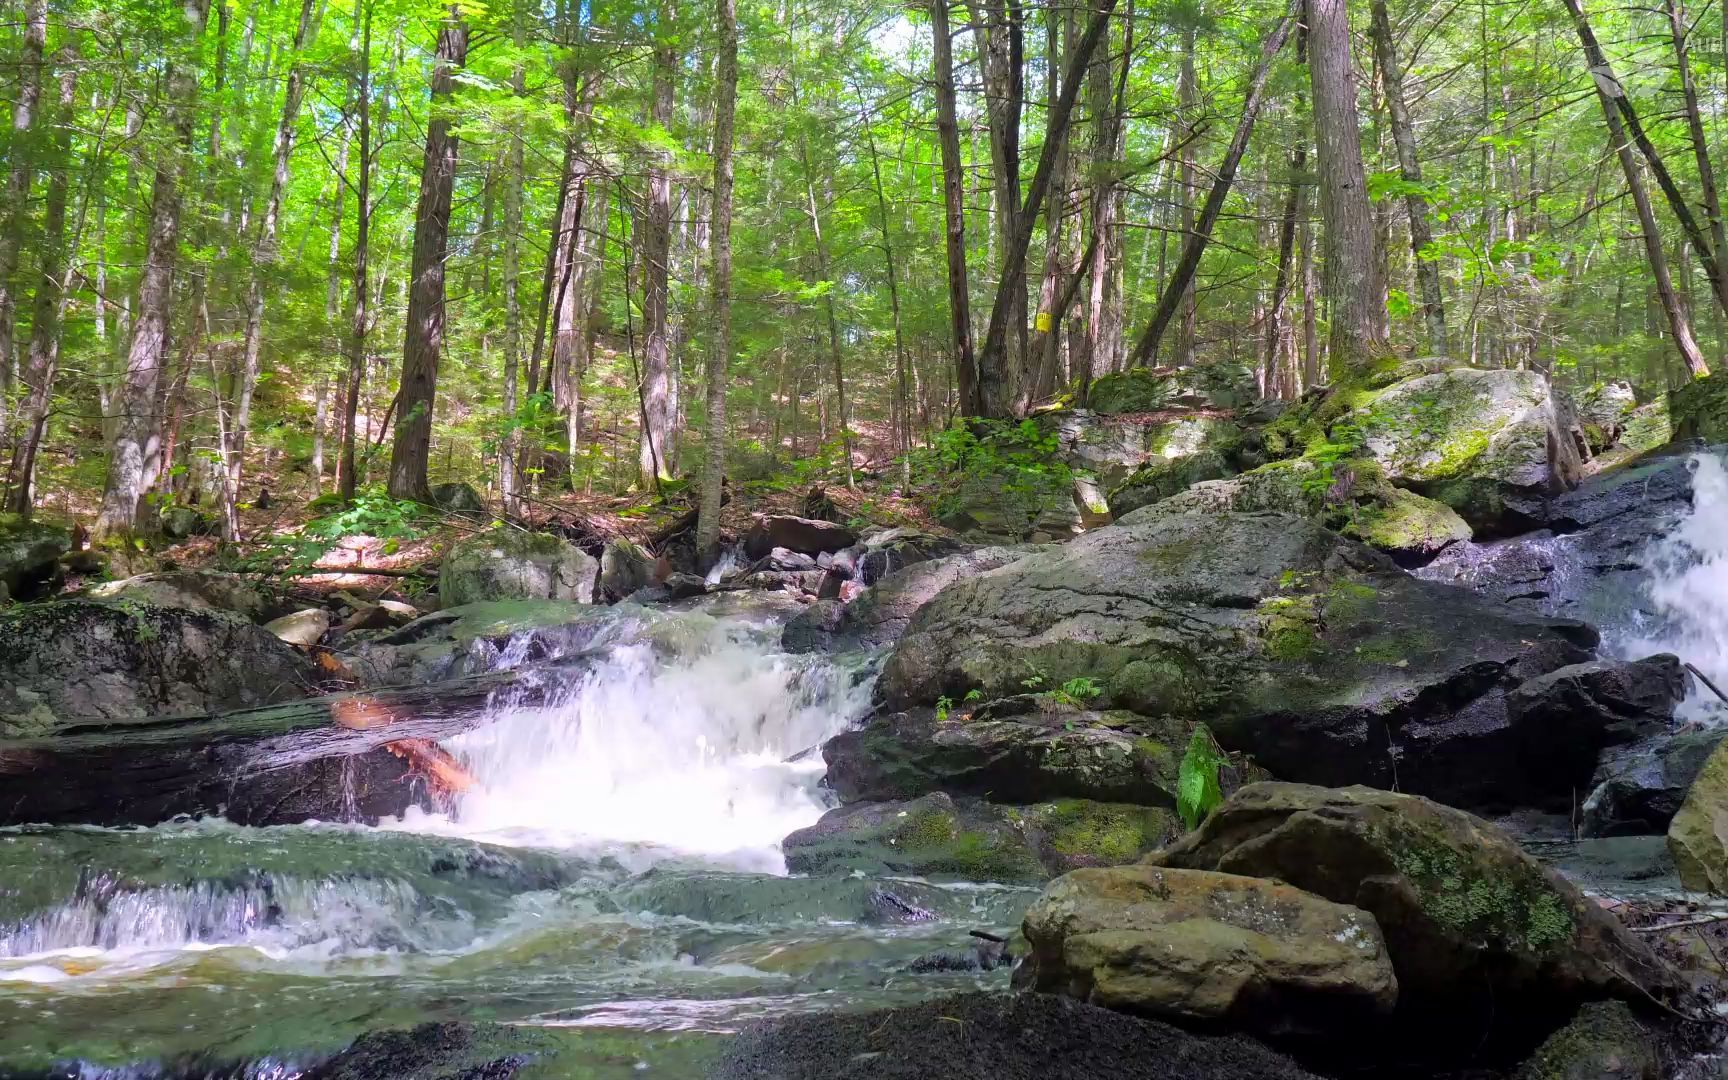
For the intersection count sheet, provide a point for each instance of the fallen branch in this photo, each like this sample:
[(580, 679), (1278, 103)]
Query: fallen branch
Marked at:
[(1705, 679), (1703, 920)]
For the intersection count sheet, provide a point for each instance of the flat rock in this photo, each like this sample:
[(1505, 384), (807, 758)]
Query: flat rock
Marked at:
[(304, 628), (807, 536)]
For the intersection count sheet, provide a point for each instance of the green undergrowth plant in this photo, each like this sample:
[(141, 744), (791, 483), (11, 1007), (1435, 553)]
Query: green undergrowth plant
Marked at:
[(1199, 782)]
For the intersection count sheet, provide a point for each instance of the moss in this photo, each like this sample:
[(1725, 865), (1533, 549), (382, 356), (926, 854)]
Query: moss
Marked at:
[(1605, 1039), (1518, 908), (1079, 832), (1699, 409)]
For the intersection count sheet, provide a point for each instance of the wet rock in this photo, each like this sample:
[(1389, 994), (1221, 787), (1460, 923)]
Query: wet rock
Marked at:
[(783, 559), (1637, 789), (967, 839), (458, 498), (304, 628), (209, 590), (1489, 946), (466, 640), (1411, 528), (1113, 757), (1566, 717), (29, 556), (383, 615), (509, 564), (1490, 444), (812, 630), (807, 536), (439, 1051), (986, 954), (74, 660), (1200, 946), (1308, 651), (992, 1037), (1605, 1041), (883, 552), (1698, 835), (624, 568), (684, 586), (881, 612)]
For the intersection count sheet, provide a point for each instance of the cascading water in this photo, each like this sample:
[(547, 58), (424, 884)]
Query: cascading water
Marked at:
[(1688, 589), (692, 753), (613, 874)]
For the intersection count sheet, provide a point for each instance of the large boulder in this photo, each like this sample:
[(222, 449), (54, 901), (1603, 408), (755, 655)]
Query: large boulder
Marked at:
[(1603, 410), (209, 590), (624, 568), (510, 564), (1491, 444), (85, 660), (1605, 1041), (807, 536), (1111, 449), (1698, 409), (29, 556), (1302, 648), (1569, 716), (881, 612), (1196, 945), (1698, 835), (1638, 788), (1488, 944), (1010, 507), (1042, 754), (982, 1036), (458, 498)]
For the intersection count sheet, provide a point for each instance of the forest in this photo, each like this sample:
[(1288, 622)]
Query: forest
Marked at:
[(622, 249)]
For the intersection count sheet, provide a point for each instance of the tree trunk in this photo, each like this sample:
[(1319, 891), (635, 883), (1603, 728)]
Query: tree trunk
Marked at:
[(1104, 324), (903, 429), (515, 169), (49, 301), (1194, 246), (357, 325), (264, 256), (656, 251), (1038, 372), (137, 439), (992, 360), (424, 344), (1606, 88), (1695, 127), (1187, 183), (1355, 280), (17, 197), (720, 251), (1002, 50), (954, 214), (1410, 170)]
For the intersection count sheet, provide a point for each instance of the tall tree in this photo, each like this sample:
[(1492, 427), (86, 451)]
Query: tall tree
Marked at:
[(21, 168), (423, 348), (137, 436), (1355, 279), (720, 281), (653, 460), (358, 322), (1410, 171), (954, 213)]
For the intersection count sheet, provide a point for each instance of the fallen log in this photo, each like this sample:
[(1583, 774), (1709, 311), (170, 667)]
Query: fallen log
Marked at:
[(347, 757)]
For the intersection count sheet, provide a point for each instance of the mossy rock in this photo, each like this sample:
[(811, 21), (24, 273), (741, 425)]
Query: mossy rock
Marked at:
[(1165, 478), (1409, 527), (1699, 409), (1136, 390), (29, 555), (1073, 833), (511, 564), (1698, 835), (1605, 1041), (1483, 936)]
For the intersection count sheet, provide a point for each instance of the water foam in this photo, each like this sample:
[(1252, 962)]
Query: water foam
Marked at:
[(1688, 588), (697, 743)]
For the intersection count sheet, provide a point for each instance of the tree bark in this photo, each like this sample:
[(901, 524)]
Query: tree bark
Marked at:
[(1037, 375), (137, 438), (48, 303), (903, 430), (17, 192), (1187, 183), (720, 279), (1695, 127), (1355, 279), (1679, 323), (1001, 37), (357, 326), (992, 360), (264, 255), (1103, 348), (656, 251), (1194, 246), (515, 170), (424, 345), (954, 215), (1410, 170)]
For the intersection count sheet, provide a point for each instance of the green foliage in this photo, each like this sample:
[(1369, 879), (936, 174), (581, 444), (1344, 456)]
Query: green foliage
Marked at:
[(373, 513), (1199, 787)]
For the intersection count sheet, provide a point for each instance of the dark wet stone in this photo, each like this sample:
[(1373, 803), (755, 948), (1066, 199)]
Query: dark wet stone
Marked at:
[(444, 1051)]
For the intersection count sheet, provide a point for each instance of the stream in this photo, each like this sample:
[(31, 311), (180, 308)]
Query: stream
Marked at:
[(613, 875)]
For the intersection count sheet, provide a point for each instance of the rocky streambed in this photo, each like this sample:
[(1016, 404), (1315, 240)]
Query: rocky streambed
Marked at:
[(1249, 783)]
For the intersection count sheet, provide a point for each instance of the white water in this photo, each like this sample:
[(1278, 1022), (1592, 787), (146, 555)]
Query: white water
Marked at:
[(650, 755), (1688, 588)]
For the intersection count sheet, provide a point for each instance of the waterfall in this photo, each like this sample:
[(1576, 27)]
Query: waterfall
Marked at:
[(699, 742), (1688, 588)]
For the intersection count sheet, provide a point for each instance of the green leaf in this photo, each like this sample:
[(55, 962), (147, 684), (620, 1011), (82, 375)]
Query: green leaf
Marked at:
[(1198, 790)]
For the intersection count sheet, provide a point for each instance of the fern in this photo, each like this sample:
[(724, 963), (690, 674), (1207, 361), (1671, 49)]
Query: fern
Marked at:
[(1198, 790)]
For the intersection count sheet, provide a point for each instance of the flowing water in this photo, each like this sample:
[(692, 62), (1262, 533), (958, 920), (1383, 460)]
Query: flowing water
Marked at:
[(614, 875)]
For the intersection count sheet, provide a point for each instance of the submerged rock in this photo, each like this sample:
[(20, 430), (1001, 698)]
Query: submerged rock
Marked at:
[(1196, 945), (74, 660), (992, 1037), (509, 564), (1306, 650), (1488, 944)]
